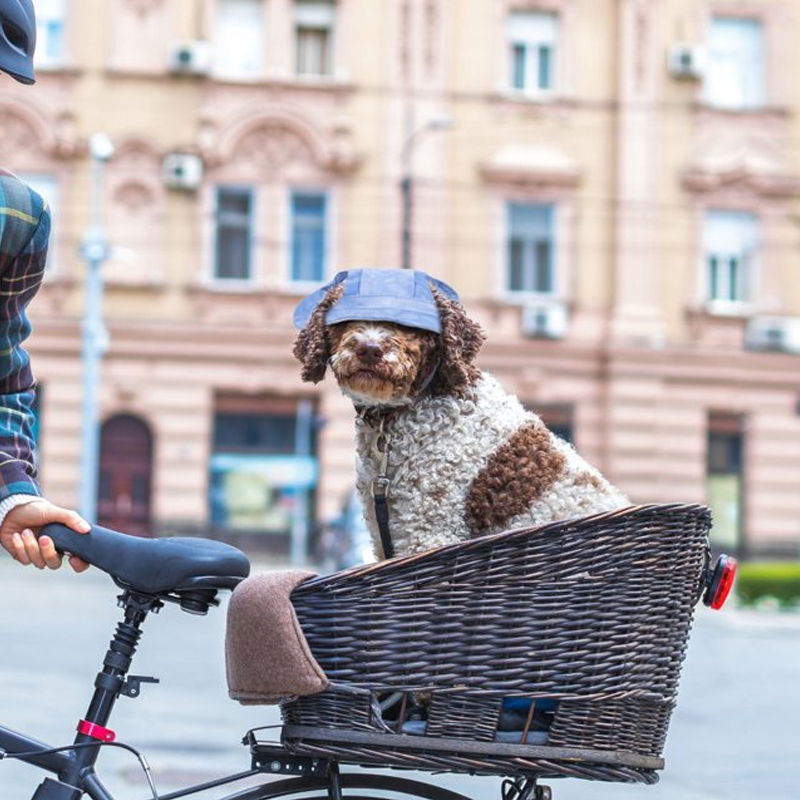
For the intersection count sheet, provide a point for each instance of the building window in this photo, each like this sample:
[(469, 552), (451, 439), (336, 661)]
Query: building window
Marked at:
[(533, 40), (314, 26), (239, 42), (234, 221), (50, 42), (309, 210), (731, 245), (263, 464), (725, 478), (531, 243), (734, 77)]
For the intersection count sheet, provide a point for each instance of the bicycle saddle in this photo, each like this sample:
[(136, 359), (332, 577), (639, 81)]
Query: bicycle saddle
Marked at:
[(154, 566)]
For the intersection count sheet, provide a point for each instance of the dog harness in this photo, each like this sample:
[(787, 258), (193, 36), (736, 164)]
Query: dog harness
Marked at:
[(380, 450), (380, 485)]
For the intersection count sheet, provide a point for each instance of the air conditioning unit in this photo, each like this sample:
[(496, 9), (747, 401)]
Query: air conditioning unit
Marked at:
[(776, 334), (686, 61), (190, 58), (545, 320), (182, 171)]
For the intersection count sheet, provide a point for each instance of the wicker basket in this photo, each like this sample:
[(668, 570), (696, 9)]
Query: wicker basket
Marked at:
[(588, 617)]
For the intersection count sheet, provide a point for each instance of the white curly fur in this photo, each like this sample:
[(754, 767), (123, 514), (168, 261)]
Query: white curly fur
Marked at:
[(438, 446)]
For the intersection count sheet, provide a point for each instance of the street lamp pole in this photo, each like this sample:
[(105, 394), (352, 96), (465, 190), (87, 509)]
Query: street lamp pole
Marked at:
[(304, 422), (94, 250), (407, 182)]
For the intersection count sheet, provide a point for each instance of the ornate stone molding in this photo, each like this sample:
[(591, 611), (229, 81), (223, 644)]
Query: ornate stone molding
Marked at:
[(276, 138), (25, 127), (749, 164), (527, 165)]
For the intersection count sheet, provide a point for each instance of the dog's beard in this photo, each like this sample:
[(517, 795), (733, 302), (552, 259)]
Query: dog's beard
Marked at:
[(390, 378), (375, 384)]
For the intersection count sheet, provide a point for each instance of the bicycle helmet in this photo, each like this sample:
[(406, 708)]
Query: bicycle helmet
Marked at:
[(17, 39)]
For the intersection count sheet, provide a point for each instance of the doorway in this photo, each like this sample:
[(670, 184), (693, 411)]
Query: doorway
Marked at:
[(126, 471)]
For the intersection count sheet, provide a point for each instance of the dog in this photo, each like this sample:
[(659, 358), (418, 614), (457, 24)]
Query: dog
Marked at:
[(442, 449)]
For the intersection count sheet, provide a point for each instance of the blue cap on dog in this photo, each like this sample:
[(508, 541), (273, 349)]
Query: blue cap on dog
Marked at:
[(380, 295)]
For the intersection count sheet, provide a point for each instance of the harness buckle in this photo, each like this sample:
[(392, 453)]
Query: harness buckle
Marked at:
[(380, 487)]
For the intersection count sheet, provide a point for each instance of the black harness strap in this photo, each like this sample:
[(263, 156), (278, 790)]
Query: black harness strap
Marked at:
[(380, 488)]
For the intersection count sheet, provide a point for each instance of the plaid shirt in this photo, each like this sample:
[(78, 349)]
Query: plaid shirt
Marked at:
[(24, 232)]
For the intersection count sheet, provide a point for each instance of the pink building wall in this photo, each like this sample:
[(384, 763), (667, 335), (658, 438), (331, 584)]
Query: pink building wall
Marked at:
[(630, 157)]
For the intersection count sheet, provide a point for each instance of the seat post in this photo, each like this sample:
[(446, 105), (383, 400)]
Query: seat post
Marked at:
[(110, 681)]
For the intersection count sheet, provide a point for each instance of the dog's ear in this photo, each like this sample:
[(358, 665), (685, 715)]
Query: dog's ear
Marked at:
[(461, 340), (312, 346)]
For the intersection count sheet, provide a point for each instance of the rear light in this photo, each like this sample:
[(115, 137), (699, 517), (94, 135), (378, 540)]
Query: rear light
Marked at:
[(720, 582)]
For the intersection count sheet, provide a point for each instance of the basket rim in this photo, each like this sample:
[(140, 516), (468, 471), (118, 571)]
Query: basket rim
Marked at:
[(632, 511)]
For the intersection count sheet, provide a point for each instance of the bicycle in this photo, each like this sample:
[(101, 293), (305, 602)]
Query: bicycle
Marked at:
[(191, 573)]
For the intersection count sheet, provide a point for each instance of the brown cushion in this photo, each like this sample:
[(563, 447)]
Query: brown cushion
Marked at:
[(267, 656)]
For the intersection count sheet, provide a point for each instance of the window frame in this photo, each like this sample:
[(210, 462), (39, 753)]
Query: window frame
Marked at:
[(746, 250), (532, 49), (554, 290), (293, 193), (43, 60), (305, 21), (258, 70), (250, 278), (760, 91)]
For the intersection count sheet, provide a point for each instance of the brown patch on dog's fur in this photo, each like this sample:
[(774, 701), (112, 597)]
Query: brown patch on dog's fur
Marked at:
[(312, 346), (517, 474), (587, 479)]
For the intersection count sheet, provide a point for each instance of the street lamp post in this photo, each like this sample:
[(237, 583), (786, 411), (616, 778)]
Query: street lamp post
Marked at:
[(304, 422), (407, 182), (94, 250)]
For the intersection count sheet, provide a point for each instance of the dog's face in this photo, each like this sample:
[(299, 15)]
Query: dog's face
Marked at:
[(381, 363)]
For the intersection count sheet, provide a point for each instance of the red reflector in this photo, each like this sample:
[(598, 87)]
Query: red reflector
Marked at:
[(722, 584)]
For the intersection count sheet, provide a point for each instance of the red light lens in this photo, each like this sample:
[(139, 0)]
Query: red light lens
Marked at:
[(724, 584)]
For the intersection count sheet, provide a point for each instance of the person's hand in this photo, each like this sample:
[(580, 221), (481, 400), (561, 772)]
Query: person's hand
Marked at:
[(17, 534)]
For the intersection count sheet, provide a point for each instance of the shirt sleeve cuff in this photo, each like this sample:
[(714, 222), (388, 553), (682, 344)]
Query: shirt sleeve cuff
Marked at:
[(12, 501)]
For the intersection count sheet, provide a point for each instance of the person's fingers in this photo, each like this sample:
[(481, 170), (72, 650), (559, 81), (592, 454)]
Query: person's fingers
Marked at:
[(20, 553), (77, 564), (51, 557), (72, 519), (31, 547)]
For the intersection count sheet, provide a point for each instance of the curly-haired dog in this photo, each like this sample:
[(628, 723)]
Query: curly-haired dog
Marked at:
[(456, 455)]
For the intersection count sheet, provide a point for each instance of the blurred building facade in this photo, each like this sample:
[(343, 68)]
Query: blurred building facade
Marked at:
[(616, 195)]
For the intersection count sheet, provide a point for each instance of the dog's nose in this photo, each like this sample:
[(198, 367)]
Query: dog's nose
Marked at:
[(369, 352)]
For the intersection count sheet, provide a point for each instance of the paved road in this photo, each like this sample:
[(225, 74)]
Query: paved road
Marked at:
[(734, 736)]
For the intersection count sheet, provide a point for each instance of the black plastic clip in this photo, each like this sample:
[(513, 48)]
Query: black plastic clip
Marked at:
[(133, 685)]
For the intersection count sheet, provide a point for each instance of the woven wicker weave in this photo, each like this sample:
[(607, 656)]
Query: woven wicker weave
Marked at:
[(593, 613)]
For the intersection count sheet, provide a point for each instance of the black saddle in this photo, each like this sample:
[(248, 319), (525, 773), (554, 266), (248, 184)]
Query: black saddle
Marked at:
[(155, 566)]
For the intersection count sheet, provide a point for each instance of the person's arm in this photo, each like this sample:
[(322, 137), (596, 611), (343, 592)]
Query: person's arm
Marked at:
[(23, 253), (25, 225)]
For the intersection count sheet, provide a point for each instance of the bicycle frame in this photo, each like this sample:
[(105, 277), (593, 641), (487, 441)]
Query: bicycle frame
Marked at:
[(73, 765)]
